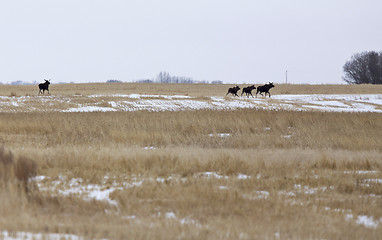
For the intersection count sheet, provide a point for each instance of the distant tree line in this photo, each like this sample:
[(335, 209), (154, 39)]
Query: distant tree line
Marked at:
[(19, 82), (364, 68), (114, 81), (165, 77)]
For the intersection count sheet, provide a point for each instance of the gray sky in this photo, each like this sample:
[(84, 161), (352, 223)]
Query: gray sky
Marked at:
[(235, 41)]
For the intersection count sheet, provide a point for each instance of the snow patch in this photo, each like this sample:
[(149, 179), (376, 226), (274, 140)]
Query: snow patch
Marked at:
[(91, 109), (361, 172), (243, 176), (212, 175), (5, 235), (156, 103), (257, 195), (367, 221), (222, 135), (170, 215)]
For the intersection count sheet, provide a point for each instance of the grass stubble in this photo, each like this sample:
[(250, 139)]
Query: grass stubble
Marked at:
[(301, 167)]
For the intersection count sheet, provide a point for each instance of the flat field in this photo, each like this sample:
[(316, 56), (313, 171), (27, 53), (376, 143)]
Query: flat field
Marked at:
[(110, 161)]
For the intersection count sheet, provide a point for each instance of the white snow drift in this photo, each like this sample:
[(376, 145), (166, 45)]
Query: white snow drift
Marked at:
[(156, 103)]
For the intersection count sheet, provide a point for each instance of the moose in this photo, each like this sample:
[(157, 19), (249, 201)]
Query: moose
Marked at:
[(248, 90), (264, 89), (44, 86), (233, 91)]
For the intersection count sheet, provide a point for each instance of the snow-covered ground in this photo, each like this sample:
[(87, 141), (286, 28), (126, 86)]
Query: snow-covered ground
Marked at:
[(155, 103)]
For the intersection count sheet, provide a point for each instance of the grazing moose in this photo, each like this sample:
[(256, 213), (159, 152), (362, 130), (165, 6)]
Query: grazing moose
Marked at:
[(248, 90), (233, 91), (44, 86), (265, 89)]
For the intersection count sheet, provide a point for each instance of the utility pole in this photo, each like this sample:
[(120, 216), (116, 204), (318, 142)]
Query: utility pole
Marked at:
[(286, 77)]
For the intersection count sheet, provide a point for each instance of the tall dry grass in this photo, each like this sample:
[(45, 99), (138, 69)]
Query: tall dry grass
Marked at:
[(246, 129), (16, 191), (15, 173), (300, 167)]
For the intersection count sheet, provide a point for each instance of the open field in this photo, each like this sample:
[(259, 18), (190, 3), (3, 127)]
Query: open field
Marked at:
[(210, 173)]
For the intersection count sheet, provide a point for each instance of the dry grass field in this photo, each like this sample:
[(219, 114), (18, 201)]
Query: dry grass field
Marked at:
[(205, 174)]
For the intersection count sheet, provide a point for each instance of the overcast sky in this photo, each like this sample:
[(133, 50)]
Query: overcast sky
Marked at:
[(236, 41)]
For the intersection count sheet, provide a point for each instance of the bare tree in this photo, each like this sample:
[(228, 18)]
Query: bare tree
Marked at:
[(165, 77), (365, 67)]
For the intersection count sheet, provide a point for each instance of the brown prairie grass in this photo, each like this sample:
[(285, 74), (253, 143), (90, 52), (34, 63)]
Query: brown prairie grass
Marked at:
[(301, 173), (246, 129)]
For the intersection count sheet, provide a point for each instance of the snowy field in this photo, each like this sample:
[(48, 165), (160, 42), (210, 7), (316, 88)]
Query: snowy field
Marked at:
[(136, 102)]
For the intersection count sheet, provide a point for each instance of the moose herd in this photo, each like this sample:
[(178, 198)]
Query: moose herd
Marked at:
[(248, 90)]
